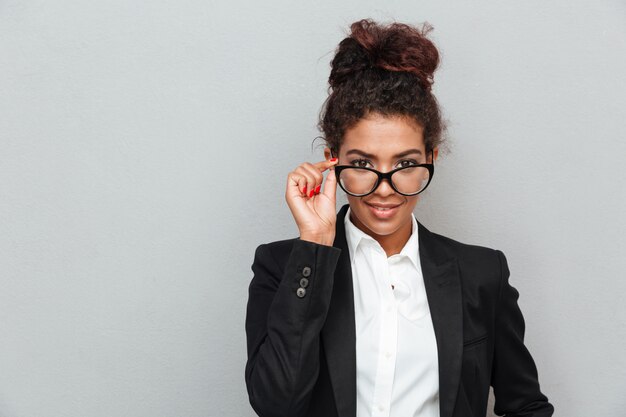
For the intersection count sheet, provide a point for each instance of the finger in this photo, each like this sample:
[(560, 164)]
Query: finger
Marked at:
[(295, 183), (293, 195), (317, 176), (324, 165), (310, 181), (330, 186), (309, 178)]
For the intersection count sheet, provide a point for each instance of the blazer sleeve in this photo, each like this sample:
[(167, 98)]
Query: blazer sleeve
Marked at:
[(283, 326), (514, 373)]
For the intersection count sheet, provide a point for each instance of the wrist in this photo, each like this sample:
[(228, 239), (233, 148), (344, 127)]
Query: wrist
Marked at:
[(319, 239)]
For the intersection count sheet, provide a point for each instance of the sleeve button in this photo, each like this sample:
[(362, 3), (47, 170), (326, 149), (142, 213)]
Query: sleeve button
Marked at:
[(306, 272), (300, 292), (304, 282)]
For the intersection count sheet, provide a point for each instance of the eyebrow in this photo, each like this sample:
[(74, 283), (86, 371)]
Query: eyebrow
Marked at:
[(368, 155)]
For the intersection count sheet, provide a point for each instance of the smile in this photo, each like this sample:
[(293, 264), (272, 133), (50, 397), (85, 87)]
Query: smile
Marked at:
[(383, 211)]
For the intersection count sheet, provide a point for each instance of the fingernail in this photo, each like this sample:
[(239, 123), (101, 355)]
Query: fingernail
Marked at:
[(317, 189), (333, 160), (311, 193), (304, 190)]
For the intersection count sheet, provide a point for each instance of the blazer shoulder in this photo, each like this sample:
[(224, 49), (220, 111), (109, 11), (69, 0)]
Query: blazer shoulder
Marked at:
[(460, 247), (471, 256)]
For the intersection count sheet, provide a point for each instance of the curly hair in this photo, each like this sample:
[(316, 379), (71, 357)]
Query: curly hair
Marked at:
[(384, 69)]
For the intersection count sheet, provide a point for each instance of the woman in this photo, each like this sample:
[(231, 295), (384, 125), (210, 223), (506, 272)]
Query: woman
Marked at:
[(367, 312)]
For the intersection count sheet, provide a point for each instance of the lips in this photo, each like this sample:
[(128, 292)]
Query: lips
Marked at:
[(383, 205), (383, 211)]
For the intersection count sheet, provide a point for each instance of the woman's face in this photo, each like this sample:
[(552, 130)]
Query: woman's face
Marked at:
[(376, 142)]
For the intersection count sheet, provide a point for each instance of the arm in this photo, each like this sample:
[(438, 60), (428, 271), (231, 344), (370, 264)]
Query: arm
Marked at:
[(514, 373), (283, 329)]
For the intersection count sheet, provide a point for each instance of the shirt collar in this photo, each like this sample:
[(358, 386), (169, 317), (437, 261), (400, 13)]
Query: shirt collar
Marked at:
[(356, 236)]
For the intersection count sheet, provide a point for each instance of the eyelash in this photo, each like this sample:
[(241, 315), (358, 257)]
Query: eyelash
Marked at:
[(356, 161)]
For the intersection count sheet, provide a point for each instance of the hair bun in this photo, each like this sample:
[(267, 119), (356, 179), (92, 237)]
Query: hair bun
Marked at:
[(395, 47)]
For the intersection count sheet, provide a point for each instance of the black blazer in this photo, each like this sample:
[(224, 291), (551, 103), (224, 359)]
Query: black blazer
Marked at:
[(301, 334)]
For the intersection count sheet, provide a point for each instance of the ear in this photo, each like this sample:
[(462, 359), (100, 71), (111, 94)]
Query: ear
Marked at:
[(327, 153), (434, 154)]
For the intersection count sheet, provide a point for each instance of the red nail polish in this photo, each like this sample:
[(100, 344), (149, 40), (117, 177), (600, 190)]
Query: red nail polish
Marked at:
[(304, 190), (311, 193), (317, 189), (333, 160)]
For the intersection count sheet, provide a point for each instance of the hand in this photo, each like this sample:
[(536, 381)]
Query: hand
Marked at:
[(312, 208)]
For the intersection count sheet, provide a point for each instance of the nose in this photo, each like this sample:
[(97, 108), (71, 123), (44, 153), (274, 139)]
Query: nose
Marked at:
[(384, 189)]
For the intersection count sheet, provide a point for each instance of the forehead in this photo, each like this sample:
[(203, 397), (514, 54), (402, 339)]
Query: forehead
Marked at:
[(383, 136)]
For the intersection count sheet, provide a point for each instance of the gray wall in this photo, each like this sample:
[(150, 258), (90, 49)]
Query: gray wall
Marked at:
[(144, 148)]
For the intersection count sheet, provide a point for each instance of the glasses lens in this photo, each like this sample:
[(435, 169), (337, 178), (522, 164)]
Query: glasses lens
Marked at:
[(411, 180), (357, 180)]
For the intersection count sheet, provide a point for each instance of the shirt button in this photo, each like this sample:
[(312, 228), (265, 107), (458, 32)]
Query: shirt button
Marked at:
[(388, 355), (304, 282), (306, 272), (389, 309), (381, 408), (300, 292)]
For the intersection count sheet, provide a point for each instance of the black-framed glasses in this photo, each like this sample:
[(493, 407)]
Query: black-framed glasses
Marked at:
[(361, 181)]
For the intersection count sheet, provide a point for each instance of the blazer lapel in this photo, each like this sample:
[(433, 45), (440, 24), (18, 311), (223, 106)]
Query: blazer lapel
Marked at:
[(339, 332), (443, 290)]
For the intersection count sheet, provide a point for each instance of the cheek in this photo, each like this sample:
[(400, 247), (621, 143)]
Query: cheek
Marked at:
[(412, 201), (355, 202), (358, 206)]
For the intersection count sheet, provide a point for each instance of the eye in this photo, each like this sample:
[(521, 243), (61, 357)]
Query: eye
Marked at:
[(407, 163), (359, 162)]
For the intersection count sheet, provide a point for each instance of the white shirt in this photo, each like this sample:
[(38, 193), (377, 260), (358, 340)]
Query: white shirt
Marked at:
[(396, 349)]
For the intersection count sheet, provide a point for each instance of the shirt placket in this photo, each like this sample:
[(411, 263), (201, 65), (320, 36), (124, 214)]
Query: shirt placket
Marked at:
[(387, 346)]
